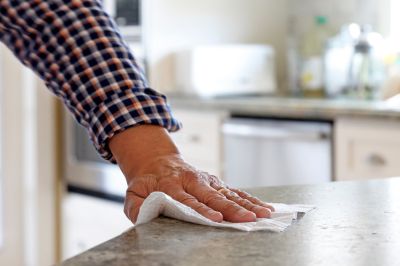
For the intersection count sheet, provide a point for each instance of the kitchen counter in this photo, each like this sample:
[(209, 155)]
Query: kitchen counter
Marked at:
[(355, 223), (324, 109)]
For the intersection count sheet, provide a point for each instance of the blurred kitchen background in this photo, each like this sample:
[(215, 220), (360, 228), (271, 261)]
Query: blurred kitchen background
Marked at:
[(269, 92)]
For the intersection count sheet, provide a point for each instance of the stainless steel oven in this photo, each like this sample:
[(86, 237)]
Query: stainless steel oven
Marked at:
[(84, 170)]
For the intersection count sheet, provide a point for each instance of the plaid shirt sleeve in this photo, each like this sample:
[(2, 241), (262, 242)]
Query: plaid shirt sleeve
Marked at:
[(76, 48)]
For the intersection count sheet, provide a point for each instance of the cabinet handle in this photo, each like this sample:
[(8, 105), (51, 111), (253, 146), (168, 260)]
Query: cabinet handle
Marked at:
[(194, 138), (376, 160)]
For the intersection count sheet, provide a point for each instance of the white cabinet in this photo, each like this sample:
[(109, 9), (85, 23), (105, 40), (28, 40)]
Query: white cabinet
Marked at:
[(29, 167), (200, 139), (89, 221), (363, 147), (367, 148)]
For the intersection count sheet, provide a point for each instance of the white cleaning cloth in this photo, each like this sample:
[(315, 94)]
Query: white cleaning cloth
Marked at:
[(160, 203)]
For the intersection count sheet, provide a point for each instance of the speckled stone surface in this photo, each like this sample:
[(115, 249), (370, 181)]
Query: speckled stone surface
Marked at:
[(291, 107), (355, 223)]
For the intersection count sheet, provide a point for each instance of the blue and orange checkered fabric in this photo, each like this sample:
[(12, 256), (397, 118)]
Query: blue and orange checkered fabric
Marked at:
[(77, 49)]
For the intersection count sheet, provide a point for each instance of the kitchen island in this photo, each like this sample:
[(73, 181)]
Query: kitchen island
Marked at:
[(355, 223)]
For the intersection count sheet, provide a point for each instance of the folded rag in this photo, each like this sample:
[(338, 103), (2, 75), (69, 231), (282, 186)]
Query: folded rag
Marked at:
[(160, 203)]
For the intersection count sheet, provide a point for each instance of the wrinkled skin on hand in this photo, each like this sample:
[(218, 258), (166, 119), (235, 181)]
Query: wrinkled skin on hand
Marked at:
[(199, 190)]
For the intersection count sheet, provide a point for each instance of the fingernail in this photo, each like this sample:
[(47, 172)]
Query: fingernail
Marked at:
[(264, 213)]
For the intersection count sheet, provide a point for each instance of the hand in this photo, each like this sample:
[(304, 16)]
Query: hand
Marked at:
[(151, 162), (204, 193)]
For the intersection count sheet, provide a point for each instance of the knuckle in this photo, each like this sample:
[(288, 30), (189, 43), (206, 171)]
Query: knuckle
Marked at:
[(230, 207), (245, 194), (225, 192), (214, 180), (246, 203), (232, 195), (212, 199), (193, 179)]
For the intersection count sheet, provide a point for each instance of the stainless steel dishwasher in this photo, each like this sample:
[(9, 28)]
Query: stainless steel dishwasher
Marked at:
[(267, 152)]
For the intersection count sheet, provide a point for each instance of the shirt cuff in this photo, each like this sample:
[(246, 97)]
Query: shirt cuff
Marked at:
[(125, 109)]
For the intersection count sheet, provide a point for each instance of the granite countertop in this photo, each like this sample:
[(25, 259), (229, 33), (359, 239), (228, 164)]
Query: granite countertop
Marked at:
[(291, 107), (355, 223)]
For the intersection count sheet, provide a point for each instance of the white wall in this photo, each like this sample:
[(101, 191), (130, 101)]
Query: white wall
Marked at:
[(339, 12), (170, 25)]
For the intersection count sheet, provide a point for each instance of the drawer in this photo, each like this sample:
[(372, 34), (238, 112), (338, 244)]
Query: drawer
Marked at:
[(200, 138), (375, 159), (200, 135), (198, 144), (366, 148), (86, 222)]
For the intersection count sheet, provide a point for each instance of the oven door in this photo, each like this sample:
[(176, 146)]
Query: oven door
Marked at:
[(84, 170)]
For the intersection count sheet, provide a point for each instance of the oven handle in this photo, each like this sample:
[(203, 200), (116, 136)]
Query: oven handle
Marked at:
[(251, 131)]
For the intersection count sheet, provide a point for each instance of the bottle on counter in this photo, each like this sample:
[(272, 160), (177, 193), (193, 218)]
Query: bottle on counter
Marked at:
[(353, 63), (337, 59), (366, 72), (312, 47)]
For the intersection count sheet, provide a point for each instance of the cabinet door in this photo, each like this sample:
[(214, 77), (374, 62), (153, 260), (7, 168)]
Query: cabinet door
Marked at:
[(28, 218), (89, 221), (367, 148), (11, 172), (200, 138)]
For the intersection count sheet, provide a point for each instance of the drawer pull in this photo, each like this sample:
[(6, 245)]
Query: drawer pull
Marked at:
[(376, 160), (194, 138)]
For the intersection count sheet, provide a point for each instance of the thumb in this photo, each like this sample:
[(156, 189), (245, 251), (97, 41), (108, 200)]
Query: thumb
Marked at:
[(132, 205)]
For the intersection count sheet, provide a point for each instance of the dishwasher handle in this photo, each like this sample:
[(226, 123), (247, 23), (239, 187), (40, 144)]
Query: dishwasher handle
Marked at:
[(254, 131)]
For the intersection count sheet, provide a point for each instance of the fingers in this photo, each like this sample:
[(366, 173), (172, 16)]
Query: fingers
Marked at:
[(260, 208), (133, 202), (193, 203), (230, 210), (261, 212), (254, 200), (132, 205)]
